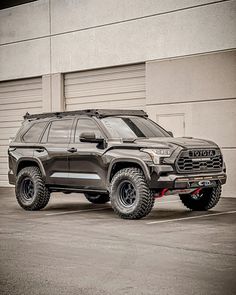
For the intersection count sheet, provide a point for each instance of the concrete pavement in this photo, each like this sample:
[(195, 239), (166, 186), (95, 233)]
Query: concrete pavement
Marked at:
[(74, 247)]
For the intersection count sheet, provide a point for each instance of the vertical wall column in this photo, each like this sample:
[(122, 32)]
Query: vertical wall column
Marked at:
[(53, 93)]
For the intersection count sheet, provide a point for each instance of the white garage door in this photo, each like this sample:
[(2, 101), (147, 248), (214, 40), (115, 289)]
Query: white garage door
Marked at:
[(16, 98), (117, 87)]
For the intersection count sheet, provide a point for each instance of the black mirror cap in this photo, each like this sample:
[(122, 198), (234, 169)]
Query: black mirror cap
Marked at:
[(170, 133), (90, 137)]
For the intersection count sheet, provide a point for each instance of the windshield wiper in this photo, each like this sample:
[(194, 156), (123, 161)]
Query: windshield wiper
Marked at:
[(133, 139)]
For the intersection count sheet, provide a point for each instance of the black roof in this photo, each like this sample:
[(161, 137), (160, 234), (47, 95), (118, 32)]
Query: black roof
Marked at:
[(99, 113)]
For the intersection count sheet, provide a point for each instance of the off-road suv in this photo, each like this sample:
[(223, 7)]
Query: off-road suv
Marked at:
[(112, 155)]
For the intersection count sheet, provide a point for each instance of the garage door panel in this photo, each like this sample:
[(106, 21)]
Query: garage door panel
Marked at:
[(103, 78), (4, 142), (107, 97), (4, 166), (19, 99), (25, 105), (4, 159), (5, 124), (123, 86), (4, 179), (121, 104), (107, 83), (14, 93), (7, 131), (25, 82), (3, 151), (20, 112), (9, 118), (124, 70), (104, 91), (16, 98)]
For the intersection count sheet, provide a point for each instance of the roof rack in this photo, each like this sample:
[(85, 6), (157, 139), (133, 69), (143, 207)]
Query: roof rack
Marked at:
[(99, 113)]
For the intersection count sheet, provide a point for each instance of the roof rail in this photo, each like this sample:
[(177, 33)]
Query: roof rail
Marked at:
[(99, 113)]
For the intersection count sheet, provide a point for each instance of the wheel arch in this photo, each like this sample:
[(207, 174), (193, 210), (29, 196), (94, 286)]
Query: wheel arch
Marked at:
[(118, 164), (28, 162)]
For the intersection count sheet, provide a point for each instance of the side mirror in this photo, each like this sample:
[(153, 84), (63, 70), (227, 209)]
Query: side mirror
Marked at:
[(170, 133), (90, 137)]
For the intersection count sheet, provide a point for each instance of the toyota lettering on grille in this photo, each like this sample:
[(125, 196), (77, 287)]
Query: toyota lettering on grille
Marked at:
[(201, 153)]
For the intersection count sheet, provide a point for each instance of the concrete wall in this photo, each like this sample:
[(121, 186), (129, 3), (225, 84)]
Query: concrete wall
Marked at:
[(202, 90), (45, 36)]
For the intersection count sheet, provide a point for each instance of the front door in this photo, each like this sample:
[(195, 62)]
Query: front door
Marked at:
[(86, 166)]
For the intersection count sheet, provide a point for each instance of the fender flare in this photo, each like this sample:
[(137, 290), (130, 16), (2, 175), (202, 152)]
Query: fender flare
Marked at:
[(139, 162), (35, 160)]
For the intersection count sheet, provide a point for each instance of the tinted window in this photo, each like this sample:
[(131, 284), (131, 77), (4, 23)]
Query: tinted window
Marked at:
[(33, 134), (86, 125), (45, 135), (59, 132), (133, 127)]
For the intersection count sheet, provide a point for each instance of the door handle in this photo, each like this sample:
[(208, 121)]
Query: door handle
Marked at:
[(40, 150), (72, 150)]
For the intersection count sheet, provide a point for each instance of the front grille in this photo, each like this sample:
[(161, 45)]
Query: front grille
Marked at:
[(199, 160)]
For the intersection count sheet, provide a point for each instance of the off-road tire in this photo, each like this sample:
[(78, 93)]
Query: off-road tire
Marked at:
[(206, 199), (144, 199), (97, 198), (40, 195)]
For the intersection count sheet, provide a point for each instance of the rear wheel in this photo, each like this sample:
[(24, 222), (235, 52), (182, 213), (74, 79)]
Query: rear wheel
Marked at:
[(131, 197), (31, 192), (97, 198), (206, 199)]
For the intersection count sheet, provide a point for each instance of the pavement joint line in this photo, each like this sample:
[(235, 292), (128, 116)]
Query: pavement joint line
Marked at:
[(191, 217), (76, 211)]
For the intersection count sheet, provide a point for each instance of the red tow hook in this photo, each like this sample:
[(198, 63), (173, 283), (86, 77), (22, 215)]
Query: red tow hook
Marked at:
[(161, 194), (196, 191)]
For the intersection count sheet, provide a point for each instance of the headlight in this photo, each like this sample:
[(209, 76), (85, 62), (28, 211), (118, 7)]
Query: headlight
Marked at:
[(156, 154)]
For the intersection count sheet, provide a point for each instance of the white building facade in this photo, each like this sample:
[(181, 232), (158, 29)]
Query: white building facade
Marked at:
[(174, 59)]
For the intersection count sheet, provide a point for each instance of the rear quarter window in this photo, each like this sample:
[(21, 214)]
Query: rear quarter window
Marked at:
[(34, 132)]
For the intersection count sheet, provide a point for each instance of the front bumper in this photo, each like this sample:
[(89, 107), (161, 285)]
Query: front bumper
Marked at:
[(163, 176)]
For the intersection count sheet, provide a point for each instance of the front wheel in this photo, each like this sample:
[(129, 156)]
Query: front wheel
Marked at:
[(206, 199), (131, 197)]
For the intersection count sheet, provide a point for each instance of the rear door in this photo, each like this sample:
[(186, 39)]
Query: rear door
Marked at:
[(86, 166), (53, 151)]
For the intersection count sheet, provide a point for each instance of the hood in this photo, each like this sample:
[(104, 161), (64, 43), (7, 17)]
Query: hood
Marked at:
[(171, 142)]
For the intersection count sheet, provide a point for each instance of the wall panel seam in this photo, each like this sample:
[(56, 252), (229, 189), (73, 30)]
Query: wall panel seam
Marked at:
[(191, 101), (111, 23)]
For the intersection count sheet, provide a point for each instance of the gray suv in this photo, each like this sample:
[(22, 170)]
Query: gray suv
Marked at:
[(112, 155)]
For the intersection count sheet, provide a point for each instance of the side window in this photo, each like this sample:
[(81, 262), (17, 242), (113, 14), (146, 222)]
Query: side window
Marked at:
[(33, 134), (58, 132), (45, 135), (86, 125)]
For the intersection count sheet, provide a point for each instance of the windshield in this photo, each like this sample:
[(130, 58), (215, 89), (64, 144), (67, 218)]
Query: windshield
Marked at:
[(133, 127)]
